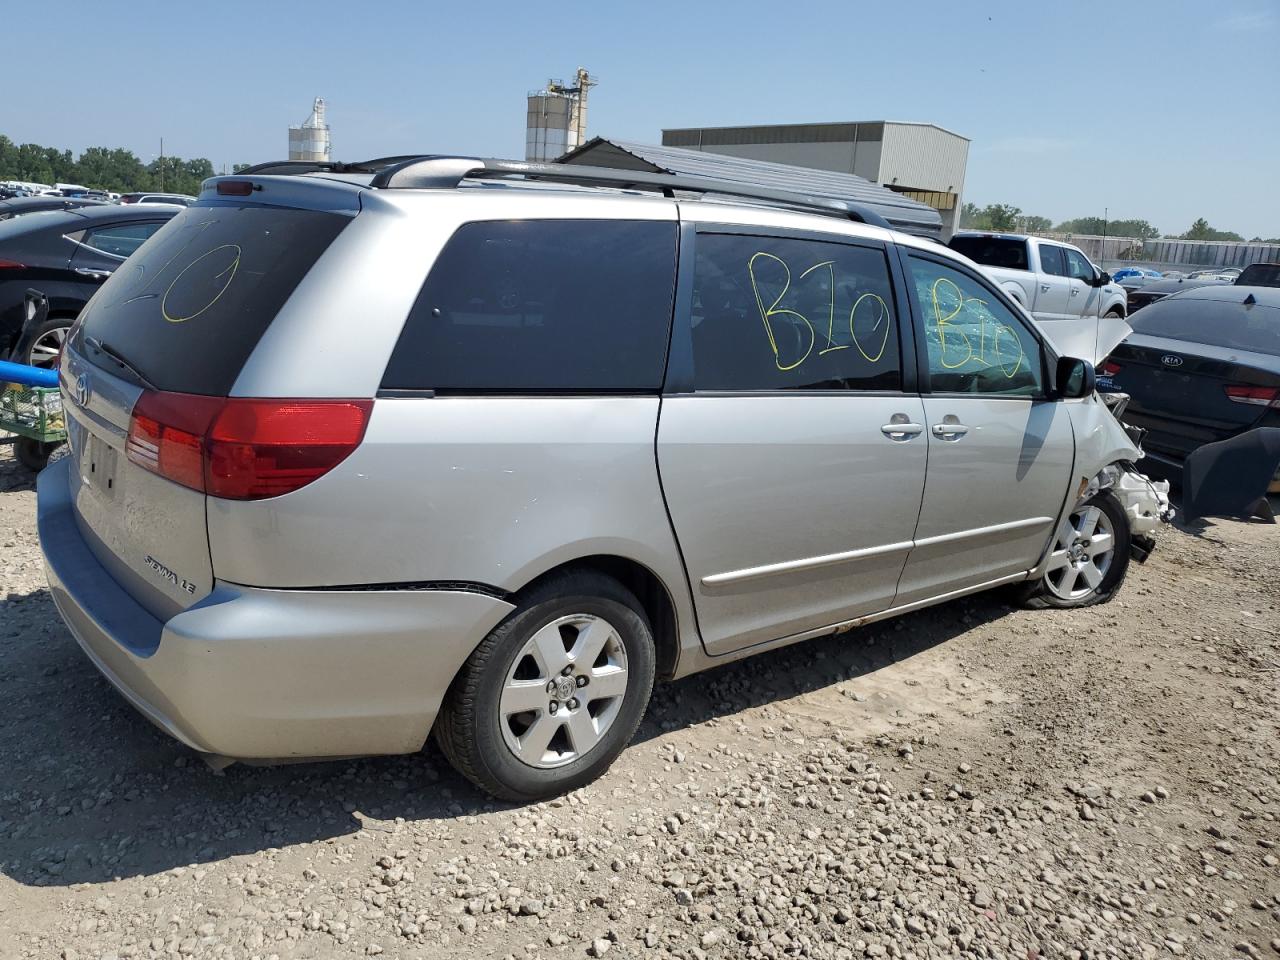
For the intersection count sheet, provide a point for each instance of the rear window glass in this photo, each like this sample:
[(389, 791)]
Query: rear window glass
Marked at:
[(188, 309), (993, 251), (1219, 323), (1260, 275), (542, 306)]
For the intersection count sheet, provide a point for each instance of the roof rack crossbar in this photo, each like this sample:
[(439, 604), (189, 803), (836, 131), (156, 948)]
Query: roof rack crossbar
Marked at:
[(442, 173)]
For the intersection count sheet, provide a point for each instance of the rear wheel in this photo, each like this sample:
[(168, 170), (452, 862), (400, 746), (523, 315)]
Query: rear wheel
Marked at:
[(1089, 559), (554, 693), (46, 343), (33, 454)]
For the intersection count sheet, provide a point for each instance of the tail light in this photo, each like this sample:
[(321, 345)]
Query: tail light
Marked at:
[(11, 265), (1109, 368), (1258, 396), (240, 448)]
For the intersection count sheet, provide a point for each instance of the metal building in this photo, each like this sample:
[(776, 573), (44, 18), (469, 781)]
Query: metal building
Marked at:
[(311, 140), (902, 211), (920, 160), (557, 118)]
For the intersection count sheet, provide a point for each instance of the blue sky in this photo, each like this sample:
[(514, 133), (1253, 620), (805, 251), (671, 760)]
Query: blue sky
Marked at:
[(1161, 110)]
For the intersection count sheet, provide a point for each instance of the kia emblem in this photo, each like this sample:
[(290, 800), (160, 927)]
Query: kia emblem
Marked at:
[(82, 389), (1171, 360)]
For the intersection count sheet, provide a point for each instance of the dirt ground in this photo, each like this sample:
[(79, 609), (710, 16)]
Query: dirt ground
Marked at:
[(969, 781)]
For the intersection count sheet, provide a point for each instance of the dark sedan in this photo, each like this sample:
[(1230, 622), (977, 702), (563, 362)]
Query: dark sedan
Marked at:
[(1202, 365), (1148, 293), (66, 255), (17, 206)]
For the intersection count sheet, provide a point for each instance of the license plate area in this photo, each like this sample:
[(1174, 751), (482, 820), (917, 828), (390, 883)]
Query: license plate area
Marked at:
[(98, 461)]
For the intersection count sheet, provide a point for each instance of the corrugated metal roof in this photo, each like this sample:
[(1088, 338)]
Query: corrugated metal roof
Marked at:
[(904, 214)]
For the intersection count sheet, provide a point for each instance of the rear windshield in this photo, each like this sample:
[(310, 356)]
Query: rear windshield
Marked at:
[(993, 251), (1260, 275), (1219, 323), (188, 308)]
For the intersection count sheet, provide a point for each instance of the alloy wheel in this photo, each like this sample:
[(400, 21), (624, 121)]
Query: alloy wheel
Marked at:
[(1082, 554), (563, 691), (47, 349)]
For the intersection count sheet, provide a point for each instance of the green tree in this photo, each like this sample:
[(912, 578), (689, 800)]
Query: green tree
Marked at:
[(1096, 226), (103, 168), (1036, 224), (1200, 230), (994, 216), (237, 167)]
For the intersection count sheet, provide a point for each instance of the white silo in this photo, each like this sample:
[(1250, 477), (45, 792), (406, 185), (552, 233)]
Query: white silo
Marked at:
[(311, 140), (557, 118)]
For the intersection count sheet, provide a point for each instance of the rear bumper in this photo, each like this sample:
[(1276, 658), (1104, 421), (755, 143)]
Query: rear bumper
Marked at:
[(252, 673)]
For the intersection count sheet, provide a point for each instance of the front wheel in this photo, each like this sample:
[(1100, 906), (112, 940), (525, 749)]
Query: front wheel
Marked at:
[(554, 693), (1089, 559)]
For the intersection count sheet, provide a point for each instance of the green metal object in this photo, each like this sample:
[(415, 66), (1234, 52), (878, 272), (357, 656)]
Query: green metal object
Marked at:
[(33, 412)]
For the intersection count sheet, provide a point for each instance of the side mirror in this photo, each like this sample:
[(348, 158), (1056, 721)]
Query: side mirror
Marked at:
[(1102, 279), (1076, 378)]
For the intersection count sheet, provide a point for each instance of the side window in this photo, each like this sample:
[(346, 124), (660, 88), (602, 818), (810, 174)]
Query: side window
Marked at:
[(1078, 266), (774, 313), (542, 306), (975, 343), (1052, 261), (121, 239)]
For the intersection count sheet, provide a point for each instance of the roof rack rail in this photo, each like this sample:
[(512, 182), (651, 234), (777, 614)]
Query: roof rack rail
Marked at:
[(284, 168), (443, 173)]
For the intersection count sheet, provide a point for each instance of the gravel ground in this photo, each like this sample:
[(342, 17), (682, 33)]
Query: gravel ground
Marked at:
[(970, 781)]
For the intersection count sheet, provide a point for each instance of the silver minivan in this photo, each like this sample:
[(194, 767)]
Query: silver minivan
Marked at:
[(485, 448)]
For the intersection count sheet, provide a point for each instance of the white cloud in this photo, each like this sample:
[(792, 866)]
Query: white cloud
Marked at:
[(1248, 22)]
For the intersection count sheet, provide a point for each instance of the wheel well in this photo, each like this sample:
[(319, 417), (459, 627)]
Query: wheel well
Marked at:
[(649, 590)]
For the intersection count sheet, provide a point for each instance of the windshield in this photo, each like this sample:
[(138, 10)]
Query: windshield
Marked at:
[(1219, 323)]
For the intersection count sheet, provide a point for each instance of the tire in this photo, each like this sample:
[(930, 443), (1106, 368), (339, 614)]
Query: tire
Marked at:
[(1065, 584), (484, 730), (33, 454), (45, 343), (1116, 313)]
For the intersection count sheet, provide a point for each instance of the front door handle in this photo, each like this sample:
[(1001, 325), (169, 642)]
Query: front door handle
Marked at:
[(1075, 291), (90, 272), (1044, 288), (900, 428), (949, 429)]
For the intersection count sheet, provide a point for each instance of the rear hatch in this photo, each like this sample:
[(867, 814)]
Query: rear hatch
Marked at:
[(1198, 371), (146, 376)]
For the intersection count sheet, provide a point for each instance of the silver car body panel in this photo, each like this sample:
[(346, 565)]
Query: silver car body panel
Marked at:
[(792, 510), (266, 674), (490, 490), (992, 495), (147, 531)]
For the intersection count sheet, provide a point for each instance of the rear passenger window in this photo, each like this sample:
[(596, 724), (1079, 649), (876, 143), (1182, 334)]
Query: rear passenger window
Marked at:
[(542, 306), (121, 239), (1052, 261), (772, 313)]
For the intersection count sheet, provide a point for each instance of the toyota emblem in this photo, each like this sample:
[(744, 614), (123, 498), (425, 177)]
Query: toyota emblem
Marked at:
[(82, 389), (1171, 360)]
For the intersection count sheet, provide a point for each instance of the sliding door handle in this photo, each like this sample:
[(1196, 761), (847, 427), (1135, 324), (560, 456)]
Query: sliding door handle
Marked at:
[(901, 427), (949, 431)]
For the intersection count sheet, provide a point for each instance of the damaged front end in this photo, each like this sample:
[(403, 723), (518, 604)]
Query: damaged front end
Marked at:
[(1106, 451)]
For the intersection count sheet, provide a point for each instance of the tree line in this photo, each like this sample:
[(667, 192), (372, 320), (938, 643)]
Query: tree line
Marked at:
[(1008, 218), (102, 168)]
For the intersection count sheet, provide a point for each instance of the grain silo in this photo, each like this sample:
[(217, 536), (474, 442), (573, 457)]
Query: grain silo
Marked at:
[(557, 118), (311, 140)]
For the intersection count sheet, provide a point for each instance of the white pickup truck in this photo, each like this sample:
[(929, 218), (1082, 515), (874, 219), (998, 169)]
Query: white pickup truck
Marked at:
[(1054, 282)]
